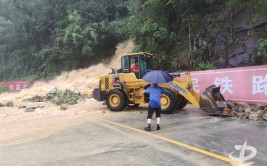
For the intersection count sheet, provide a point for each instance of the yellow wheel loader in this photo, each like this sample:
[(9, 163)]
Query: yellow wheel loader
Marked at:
[(124, 87)]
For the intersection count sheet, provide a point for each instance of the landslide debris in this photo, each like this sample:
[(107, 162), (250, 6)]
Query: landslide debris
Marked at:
[(58, 97), (62, 98), (245, 111), (6, 104)]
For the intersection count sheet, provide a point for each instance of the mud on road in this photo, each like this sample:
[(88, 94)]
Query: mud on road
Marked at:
[(82, 139)]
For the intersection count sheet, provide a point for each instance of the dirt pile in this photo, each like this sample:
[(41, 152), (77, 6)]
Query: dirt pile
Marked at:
[(245, 111)]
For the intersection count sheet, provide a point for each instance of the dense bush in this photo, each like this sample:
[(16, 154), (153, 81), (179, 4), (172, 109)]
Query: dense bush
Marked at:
[(3, 88), (262, 51), (65, 97)]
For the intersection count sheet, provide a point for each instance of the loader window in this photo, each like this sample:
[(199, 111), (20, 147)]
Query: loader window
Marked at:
[(145, 65), (149, 63), (125, 65), (143, 61), (134, 64)]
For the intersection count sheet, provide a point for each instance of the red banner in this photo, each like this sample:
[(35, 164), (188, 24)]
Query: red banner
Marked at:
[(16, 86), (248, 84)]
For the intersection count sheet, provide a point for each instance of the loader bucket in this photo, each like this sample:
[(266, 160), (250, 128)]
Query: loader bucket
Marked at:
[(212, 101)]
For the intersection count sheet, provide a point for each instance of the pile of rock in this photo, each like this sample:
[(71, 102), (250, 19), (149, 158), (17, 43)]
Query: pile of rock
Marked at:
[(27, 109), (6, 104), (39, 98), (245, 111)]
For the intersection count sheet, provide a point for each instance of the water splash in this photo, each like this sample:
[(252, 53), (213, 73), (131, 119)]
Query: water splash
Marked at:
[(82, 81)]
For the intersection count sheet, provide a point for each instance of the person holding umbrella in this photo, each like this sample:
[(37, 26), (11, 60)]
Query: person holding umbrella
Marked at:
[(154, 105), (155, 77)]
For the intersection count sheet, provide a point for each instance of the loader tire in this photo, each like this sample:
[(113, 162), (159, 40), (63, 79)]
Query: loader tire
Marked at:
[(182, 102), (168, 101), (116, 100)]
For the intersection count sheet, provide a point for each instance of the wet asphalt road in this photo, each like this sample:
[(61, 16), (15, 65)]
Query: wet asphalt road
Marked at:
[(99, 143)]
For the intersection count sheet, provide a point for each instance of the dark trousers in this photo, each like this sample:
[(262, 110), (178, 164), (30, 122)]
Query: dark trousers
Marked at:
[(151, 111)]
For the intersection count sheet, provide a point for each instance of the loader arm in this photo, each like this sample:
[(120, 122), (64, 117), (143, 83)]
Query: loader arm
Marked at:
[(210, 101), (186, 91)]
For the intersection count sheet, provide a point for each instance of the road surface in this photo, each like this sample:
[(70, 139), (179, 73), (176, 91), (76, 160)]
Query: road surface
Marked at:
[(189, 137)]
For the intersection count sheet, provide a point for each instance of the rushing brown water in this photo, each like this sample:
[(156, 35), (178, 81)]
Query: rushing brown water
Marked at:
[(18, 126), (83, 80)]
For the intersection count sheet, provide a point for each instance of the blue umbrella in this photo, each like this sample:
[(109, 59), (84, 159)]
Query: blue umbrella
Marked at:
[(157, 77)]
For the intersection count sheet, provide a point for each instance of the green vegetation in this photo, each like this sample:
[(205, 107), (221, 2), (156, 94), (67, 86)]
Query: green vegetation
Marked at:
[(3, 88), (42, 38), (261, 56), (65, 97), (205, 66)]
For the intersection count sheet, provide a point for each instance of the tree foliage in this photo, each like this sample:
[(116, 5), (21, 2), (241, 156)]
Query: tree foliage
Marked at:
[(167, 27), (171, 28), (41, 38), (261, 56)]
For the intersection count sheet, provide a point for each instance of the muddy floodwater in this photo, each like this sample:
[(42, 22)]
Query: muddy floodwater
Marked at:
[(86, 140)]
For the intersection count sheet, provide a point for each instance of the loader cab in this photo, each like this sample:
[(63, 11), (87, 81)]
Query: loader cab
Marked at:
[(143, 60)]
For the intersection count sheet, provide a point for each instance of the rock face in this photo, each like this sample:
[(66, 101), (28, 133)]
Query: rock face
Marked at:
[(232, 43)]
